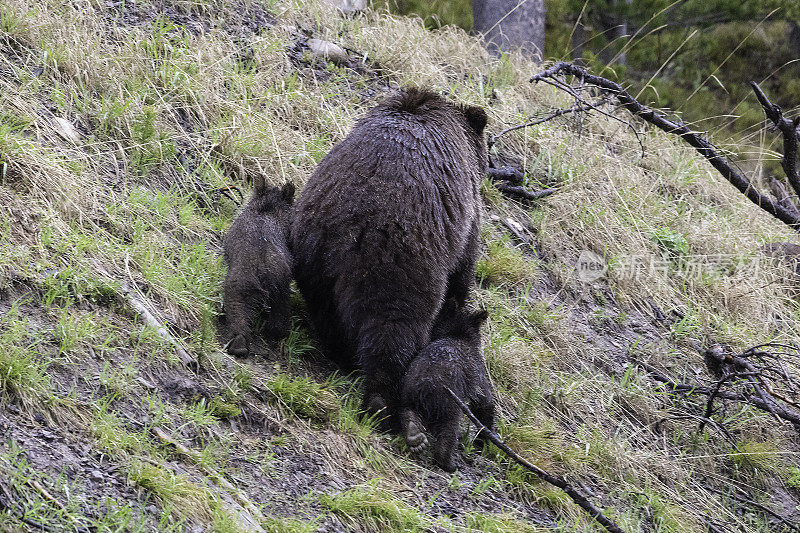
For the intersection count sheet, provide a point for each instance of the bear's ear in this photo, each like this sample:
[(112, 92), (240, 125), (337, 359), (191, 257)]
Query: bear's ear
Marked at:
[(287, 192), (259, 185), (476, 118)]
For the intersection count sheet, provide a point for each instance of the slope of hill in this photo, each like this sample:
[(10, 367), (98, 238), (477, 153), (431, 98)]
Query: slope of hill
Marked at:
[(126, 128)]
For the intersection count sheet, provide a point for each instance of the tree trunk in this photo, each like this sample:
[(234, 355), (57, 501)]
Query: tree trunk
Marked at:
[(794, 37), (511, 24), (578, 36)]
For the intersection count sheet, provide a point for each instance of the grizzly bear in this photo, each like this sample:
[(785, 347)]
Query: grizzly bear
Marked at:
[(387, 228), (453, 360), (259, 268)]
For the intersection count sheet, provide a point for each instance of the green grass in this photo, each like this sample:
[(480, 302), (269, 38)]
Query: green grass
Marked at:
[(288, 525), (376, 510), (498, 524), (23, 371), (504, 263), (302, 396)]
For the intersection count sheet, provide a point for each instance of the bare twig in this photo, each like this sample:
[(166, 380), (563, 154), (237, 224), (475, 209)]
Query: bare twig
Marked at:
[(551, 116), (784, 413), (6, 503), (715, 391), (52, 499), (697, 141), (561, 483), (228, 192), (762, 387)]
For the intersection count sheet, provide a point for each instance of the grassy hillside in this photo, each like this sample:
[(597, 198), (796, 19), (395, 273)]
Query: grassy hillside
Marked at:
[(121, 123)]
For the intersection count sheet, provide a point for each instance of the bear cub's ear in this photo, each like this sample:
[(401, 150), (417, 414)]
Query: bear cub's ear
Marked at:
[(476, 118), (287, 192)]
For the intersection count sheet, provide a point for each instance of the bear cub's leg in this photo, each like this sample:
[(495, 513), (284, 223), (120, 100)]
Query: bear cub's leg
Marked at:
[(446, 436), (413, 430)]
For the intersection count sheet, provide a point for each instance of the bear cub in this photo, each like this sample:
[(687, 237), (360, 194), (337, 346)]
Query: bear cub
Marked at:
[(256, 289), (454, 359)]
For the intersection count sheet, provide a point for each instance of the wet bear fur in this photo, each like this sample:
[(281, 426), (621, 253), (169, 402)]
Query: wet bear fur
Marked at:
[(256, 289), (453, 360), (385, 230)]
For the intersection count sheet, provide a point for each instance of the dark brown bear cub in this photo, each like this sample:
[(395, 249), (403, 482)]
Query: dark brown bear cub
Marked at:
[(385, 229), (259, 267), (454, 359)]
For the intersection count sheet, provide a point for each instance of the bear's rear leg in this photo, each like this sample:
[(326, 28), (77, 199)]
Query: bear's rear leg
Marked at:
[(383, 355), (278, 318)]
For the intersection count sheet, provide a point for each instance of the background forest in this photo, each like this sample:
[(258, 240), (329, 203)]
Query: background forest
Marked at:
[(695, 57)]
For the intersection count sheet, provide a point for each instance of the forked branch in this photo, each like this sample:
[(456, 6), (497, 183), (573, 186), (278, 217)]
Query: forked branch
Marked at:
[(788, 129), (695, 139)]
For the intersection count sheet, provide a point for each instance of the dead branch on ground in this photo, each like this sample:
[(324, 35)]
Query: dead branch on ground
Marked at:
[(555, 76), (509, 180), (561, 483), (744, 394), (521, 192)]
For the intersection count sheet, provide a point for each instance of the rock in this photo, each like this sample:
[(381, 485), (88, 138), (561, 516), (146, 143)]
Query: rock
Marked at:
[(96, 475), (65, 128), (146, 384), (348, 6), (328, 51)]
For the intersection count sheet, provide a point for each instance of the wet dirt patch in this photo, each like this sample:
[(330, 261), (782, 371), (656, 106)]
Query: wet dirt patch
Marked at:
[(65, 464)]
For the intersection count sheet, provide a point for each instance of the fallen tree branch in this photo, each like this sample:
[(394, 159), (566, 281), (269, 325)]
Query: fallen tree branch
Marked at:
[(508, 180), (697, 141), (509, 174), (138, 305), (786, 414), (561, 483), (788, 129), (147, 317)]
